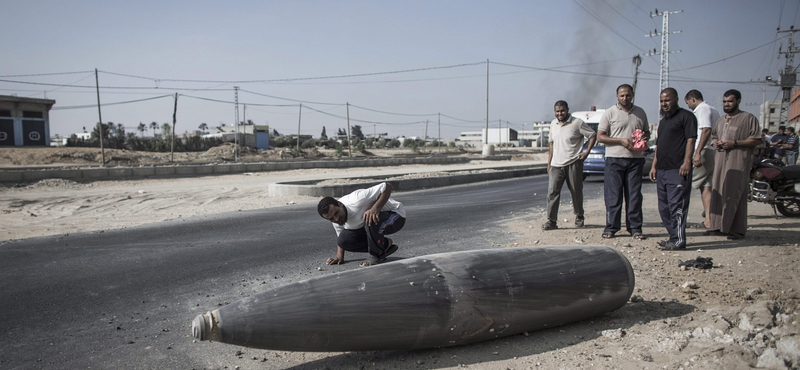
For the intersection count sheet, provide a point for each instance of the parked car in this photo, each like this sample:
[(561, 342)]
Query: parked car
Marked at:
[(596, 162)]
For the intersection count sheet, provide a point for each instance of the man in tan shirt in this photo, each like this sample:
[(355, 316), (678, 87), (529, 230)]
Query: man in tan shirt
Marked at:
[(624, 165), (565, 162)]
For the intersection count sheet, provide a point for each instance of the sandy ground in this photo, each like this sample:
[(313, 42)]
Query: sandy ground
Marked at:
[(740, 314)]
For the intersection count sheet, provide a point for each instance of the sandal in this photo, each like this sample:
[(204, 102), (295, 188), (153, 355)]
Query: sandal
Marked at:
[(638, 236), (607, 235), (369, 262), (549, 225)]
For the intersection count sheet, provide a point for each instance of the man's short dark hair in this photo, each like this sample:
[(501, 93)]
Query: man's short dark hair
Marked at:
[(561, 103), (324, 205), (781, 127), (764, 130), (670, 91), (694, 94), (625, 85), (736, 94), (790, 129)]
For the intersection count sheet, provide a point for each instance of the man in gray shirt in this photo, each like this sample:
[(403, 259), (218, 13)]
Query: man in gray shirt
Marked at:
[(565, 162)]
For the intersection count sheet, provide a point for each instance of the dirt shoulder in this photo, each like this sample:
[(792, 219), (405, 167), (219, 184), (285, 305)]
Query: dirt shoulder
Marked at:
[(741, 313)]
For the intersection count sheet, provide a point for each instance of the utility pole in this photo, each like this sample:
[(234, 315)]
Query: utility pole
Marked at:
[(765, 116), (236, 125), (299, 115), (663, 79), (486, 132), (349, 150), (637, 61), (174, 122), (99, 117), (788, 74), (439, 122), (425, 138)]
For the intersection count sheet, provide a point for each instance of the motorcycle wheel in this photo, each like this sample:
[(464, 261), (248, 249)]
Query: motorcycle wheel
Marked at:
[(789, 208)]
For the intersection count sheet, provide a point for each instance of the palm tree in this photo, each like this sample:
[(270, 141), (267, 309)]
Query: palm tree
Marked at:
[(142, 128), (165, 130), (203, 126), (154, 126)]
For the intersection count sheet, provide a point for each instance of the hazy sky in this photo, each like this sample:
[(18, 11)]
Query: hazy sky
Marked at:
[(397, 63)]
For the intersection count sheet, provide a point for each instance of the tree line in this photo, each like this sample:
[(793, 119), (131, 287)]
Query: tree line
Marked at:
[(115, 137)]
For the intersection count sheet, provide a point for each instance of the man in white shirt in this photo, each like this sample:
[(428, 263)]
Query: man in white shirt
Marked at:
[(361, 220), (565, 162), (704, 153)]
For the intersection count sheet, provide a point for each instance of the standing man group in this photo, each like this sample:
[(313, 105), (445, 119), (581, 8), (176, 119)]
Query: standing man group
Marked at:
[(672, 167), (735, 137), (565, 162), (623, 165), (704, 153)]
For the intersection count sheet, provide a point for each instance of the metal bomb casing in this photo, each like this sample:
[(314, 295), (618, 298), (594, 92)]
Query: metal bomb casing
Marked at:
[(430, 301)]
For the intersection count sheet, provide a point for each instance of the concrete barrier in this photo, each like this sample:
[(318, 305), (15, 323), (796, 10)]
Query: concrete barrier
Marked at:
[(310, 188), (189, 170)]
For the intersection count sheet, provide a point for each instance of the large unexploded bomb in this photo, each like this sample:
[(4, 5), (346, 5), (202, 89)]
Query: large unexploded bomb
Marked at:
[(431, 301)]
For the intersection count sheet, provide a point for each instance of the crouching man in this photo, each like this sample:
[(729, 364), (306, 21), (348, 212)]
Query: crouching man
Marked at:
[(361, 220)]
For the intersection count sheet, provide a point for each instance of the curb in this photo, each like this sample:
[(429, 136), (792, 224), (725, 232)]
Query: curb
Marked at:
[(309, 188)]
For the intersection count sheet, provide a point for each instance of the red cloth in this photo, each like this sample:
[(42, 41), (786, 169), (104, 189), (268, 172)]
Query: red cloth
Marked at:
[(639, 142)]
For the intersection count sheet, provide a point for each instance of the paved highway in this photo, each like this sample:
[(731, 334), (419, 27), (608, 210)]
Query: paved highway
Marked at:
[(126, 298)]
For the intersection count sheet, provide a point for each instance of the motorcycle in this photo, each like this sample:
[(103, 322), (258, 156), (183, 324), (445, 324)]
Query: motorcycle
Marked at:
[(776, 185)]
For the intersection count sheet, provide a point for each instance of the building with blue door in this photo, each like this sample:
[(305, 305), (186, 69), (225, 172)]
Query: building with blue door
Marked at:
[(24, 121)]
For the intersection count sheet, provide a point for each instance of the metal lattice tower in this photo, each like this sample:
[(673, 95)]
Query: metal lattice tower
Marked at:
[(663, 79)]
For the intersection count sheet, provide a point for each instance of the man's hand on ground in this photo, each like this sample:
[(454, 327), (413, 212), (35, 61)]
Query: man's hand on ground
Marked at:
[(334, 261)]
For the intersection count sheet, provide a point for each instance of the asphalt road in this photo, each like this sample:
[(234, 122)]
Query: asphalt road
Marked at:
[(126, 298)]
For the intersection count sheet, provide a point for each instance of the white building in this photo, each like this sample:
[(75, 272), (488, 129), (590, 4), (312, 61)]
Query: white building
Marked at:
[(506, 136), (770, 117)]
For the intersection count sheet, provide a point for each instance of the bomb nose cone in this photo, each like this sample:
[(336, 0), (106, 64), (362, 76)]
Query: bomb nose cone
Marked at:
[(201, 327)]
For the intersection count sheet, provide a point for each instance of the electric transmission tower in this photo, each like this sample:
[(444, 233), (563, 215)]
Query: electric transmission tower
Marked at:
[(663, 79)]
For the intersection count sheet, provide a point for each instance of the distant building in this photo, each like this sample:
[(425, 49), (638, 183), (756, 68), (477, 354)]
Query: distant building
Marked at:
[(537, 136), (247, 134), (770, 117), (495, 136), (24, 121), (794, 108)]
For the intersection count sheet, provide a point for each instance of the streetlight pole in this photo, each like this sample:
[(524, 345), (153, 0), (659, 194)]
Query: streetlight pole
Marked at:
[(765, 117)]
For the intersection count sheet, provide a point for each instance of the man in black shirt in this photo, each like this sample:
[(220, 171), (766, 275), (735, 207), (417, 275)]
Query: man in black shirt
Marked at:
[(672, 167)]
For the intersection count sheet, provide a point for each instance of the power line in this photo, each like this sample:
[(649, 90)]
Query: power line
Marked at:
[(303, 78), (287, 99), (734, 56), (107, 104), (607, 25), (396, 114), (47, 74), (557, 71), (230, 102)]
